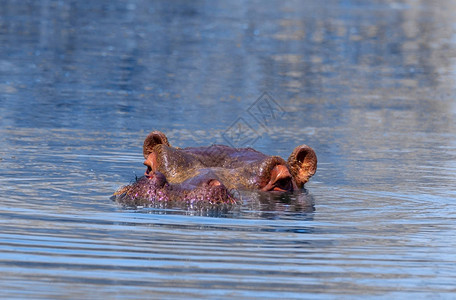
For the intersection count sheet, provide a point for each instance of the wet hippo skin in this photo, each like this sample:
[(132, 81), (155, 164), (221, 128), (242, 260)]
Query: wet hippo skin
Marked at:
[(209, 175)]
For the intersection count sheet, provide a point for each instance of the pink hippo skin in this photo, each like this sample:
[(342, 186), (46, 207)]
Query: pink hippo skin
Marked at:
[(206, 175)]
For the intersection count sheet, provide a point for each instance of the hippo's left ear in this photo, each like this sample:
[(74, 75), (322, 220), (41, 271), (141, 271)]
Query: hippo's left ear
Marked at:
[(303, 164), (154, 138)]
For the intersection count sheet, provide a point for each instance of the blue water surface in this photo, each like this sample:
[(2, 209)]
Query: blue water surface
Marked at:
[(370, 85)]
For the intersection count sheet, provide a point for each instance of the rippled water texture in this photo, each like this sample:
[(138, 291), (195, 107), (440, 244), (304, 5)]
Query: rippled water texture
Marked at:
[(370, 85)]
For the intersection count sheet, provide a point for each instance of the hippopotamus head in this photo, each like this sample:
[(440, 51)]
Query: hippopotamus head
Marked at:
[(209, 175)]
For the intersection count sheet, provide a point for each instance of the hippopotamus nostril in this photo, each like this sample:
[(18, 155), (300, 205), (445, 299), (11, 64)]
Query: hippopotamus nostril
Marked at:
[(211, 191), (213, 182)]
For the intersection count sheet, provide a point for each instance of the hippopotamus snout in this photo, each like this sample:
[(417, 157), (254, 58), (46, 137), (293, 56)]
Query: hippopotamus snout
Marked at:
[(154, 188), (209, 175)]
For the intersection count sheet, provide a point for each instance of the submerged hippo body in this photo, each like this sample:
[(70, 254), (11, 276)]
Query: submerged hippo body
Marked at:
[(210, 175)]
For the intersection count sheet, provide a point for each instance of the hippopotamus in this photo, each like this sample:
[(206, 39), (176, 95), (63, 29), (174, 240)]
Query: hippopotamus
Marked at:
[(213, 175)]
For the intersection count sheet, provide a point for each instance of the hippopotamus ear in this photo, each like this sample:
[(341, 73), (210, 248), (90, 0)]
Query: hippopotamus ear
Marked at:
[(154, 138), (303, 164)]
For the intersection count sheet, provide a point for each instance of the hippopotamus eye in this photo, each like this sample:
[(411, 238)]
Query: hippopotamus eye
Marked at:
[(283, 184), (280, 180)]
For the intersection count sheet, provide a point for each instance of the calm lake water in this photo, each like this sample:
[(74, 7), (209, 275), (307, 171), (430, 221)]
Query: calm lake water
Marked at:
[(370, 85)]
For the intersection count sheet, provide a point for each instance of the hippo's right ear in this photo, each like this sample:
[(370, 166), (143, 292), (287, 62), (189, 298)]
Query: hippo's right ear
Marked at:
[(154, 138), (303, 164)]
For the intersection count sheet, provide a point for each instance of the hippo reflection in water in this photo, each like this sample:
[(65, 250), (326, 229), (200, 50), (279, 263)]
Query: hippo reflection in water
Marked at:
[(209, 175)]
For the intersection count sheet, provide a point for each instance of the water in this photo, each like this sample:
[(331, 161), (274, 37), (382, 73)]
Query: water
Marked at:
[(368, 84)]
